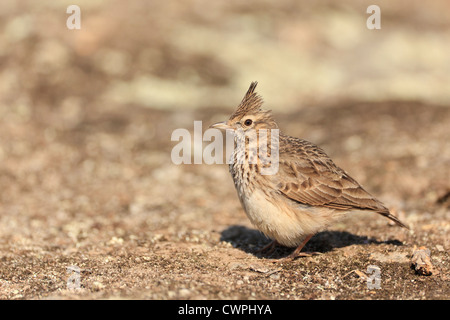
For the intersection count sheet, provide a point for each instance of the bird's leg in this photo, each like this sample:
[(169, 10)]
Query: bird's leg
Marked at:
[(269, 248), (297, 252)]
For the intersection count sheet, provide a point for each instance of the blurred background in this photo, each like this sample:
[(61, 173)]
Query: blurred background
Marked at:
[(86, 115)]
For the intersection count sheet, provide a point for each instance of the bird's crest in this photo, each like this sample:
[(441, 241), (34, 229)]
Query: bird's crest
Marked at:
[(251, 102)]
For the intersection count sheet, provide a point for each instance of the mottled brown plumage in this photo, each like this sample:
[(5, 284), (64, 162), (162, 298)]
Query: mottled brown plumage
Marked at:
[(306, 194)]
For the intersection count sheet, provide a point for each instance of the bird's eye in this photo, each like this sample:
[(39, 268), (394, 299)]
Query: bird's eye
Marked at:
[(248, 122)]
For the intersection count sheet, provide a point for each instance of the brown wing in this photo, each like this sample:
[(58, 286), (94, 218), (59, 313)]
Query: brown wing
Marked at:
[(310, 177), (313, 182)]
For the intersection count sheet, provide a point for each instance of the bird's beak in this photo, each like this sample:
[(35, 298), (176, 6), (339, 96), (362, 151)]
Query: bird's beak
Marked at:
[(220, 125)]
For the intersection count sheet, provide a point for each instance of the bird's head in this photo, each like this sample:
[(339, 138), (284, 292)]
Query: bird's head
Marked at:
[(249, 115)]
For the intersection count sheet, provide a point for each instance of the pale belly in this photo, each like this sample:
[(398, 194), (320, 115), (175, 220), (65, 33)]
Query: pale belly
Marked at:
[(284, 223)]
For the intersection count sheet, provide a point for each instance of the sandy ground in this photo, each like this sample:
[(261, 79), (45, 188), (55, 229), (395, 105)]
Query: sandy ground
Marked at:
[(102, 198), (89, 191)]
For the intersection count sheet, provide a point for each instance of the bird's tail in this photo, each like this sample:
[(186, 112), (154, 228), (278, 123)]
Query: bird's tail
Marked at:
[(390, 216)]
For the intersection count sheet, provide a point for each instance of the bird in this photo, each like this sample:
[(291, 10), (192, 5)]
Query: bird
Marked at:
[(306, 193)]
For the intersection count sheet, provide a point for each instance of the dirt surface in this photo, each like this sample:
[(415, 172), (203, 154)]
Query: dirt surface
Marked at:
[(88, 188)]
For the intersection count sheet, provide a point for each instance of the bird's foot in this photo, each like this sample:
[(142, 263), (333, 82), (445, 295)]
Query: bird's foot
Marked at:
[(295, 255), (297, 252), (269, 248)]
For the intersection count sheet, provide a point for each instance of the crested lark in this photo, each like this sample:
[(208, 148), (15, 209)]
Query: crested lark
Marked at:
[(306, 194)]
